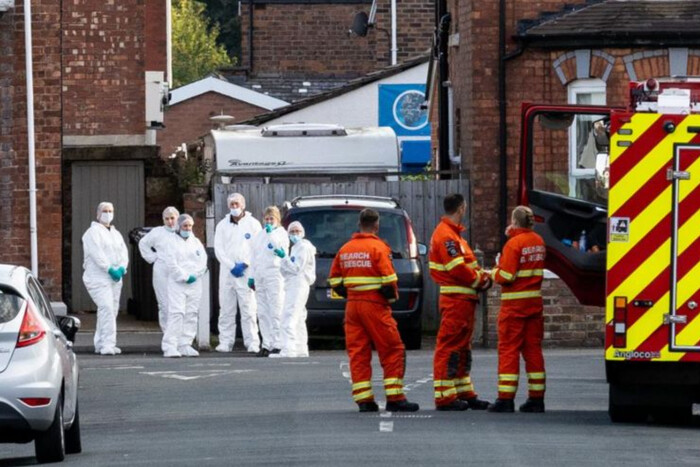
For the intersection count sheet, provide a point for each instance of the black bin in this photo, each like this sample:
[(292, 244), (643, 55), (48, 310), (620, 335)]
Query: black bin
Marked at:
[(143, 304)]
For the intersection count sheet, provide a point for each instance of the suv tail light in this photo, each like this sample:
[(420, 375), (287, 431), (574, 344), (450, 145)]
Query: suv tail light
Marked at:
[(32, 330)]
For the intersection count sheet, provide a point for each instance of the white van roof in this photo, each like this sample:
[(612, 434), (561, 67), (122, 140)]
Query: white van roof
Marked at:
[(306, 148)]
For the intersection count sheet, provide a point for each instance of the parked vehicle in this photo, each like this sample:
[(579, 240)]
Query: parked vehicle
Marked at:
[(329, 222), (618, 209), (38, 369)]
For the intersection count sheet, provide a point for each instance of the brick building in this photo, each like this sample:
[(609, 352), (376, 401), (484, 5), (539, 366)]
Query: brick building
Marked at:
[(93, 141), (310, 37), (504, 53)]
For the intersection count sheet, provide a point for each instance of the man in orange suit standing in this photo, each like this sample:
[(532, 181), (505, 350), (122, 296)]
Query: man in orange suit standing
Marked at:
[(362, 271)]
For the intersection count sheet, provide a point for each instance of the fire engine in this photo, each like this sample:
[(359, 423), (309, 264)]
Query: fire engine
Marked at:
[(616, 193)]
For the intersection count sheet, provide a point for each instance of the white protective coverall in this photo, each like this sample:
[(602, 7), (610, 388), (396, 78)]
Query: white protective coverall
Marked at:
[(299, 272), (232, 244), (104, 248), (269, 285), (186, 258), (153, 248)]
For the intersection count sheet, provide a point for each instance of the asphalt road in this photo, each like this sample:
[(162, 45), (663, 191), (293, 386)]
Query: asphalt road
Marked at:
[(235, 410)]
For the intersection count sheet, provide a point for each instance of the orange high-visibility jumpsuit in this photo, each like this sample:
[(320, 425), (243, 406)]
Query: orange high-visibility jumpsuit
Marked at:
[(454, 268), (520, 319), (363, 267)]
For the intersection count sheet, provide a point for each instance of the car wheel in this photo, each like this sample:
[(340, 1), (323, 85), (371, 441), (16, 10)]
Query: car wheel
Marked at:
[(50, 445), (73, 444)]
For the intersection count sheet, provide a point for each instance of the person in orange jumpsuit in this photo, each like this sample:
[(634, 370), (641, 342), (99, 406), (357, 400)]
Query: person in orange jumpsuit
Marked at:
[(520, 319), (362, 271), (454, 268)]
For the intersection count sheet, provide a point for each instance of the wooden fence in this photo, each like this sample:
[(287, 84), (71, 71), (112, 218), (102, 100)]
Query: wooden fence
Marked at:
[(422, 200)]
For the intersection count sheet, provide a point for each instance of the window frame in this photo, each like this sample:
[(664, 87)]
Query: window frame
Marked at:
[(591, 86)]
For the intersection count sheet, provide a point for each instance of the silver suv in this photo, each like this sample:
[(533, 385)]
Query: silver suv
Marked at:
[(38, 369), (329, 222)]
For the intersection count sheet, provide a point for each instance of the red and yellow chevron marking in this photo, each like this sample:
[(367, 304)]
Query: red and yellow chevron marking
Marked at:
[(640, 268)]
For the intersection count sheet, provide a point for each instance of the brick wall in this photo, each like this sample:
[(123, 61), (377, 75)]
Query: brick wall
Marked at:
[(155, 58), (313, 38), (566, 322), (14, 198), (104, 65), (188, 120)]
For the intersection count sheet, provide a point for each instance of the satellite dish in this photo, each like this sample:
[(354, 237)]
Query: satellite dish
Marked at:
[(221, 120), (360, 24)]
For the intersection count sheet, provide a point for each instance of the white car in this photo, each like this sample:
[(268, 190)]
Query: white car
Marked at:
[(38, 369)]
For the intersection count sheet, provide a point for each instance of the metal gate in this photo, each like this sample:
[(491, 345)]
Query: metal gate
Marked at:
[(120, 183), (422, 200)]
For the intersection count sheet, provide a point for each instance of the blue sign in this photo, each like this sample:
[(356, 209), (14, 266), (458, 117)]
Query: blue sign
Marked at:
[(400, 107)]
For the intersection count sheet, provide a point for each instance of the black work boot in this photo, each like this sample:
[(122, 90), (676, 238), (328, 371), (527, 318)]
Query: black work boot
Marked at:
[(369, 406), (401, 406), (263, 353), (275, 351), (454, 406), (477, 404), (502, 406), (533, 405)]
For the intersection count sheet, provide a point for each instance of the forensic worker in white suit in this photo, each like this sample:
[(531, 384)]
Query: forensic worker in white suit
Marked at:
[(299, 272), (232, 246), (187, 263), (153, 248), (105, 259)]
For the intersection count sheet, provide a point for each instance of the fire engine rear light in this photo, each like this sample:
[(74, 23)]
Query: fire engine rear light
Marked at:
[(36, 401), (32, 330), (620, 322), (539, 219)]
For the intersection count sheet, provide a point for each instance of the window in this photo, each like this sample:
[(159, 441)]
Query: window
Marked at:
[(583, 144)]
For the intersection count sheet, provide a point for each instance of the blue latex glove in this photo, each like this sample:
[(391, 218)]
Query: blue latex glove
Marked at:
[(268, 228), (114, 274), (238, 269), (280, 252), (292, 259), (251, 283), (122, 271), (191, 279)]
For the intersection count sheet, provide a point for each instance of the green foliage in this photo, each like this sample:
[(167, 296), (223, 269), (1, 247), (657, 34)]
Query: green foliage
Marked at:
[(225, 14), (424, 175), (195, 51)]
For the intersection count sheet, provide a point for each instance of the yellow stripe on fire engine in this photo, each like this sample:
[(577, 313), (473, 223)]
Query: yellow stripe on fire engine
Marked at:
[(652, 318), (639, 124), (687, 287), (652, 215), (651, 163)]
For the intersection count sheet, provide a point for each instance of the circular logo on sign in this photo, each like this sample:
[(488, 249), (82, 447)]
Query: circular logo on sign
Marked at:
[(407, 110)]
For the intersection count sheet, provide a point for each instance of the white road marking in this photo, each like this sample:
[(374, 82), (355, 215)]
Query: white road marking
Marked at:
[(386, 426), (209, 364), (112, 368), (191, 374)]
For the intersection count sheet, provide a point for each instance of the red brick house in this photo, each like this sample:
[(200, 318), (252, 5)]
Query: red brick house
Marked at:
[(94, 138)]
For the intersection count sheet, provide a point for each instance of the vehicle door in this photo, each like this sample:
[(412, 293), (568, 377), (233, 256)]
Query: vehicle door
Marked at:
[(563, 170), (11, 303), (62, 345), (685, 244)]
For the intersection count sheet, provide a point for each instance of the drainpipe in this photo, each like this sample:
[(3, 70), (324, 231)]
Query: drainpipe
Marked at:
[(30, 137), (169, 41), (443, 82), (250, 35), (394, 46)]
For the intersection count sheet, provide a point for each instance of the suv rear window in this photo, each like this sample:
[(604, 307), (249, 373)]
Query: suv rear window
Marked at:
[(328, 229), (10, 304)]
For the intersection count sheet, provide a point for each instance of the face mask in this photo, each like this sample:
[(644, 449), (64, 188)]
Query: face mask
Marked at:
[(294, 238), (106, 217), (169, 229), (235, 212), (185, 233)]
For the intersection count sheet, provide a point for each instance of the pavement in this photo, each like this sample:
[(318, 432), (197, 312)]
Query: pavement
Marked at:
[(133, 335)]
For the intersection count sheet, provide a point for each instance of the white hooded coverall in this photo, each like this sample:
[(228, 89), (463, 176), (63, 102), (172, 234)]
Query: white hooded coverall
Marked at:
[(153, 248), (299, 272), (269, 285), (232, 244), (104, 248), (185, 257)]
